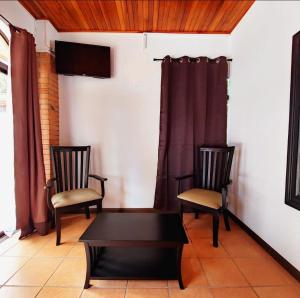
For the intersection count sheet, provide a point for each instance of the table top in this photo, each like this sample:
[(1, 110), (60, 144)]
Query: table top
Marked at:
[(135, 227)]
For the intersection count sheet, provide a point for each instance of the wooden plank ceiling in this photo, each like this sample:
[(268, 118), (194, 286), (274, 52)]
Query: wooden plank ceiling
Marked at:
[(176, 16)]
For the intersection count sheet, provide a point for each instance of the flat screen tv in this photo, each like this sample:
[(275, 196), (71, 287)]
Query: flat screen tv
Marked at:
[(82, 59)]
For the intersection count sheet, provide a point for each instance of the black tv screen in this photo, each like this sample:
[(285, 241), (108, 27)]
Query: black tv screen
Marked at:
[(82, 59)]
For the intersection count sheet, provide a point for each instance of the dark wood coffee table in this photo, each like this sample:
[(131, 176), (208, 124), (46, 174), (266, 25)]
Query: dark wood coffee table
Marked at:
[(134, 246)]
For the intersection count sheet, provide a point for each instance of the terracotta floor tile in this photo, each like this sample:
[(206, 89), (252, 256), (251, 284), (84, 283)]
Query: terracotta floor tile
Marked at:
[(200, 292), (27, 247), (262, 272), (9, 266), (241, 247), (147, 293), (187, 218), (205, 220), (51, 250), (278, 292), (204, 249), (287, 276), (77, 251), (109, 283), (147, 284), (202, 265), (173, 283), (223, 272), (189, 251), (70, 273), (205, 232), (18, 292), (35, 272), (234, 233), (103, 293), (233, 293), (22, 250), (192, 273), (59, 293)]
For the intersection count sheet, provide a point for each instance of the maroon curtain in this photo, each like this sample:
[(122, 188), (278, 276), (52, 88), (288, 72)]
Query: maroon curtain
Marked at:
[(193, 112), (31, 208)]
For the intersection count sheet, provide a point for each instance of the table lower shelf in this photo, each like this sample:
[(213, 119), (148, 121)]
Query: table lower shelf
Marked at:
[(135, 263)]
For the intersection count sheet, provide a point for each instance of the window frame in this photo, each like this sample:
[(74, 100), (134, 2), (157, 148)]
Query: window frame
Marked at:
[(291, 197), (4, 66)]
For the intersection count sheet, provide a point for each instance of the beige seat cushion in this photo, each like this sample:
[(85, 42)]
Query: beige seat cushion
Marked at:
[(75, 196), (204, 197)]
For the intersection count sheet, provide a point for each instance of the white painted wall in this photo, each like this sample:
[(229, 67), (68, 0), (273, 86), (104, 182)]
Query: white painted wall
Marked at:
[(45, 35), (119, 117), (258, 123), (17, 15)]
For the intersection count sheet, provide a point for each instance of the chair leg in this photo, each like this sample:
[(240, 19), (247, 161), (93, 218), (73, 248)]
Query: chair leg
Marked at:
[(196, 215), (52, 220), (226, 220), (87, 212), (99, 207), (58, 227), (215, 229)]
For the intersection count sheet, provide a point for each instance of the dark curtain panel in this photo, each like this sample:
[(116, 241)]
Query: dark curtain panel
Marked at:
[(193, 112), (31, 208)]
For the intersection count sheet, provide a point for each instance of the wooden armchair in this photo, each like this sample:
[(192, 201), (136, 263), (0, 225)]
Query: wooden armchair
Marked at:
[(70, 182), (209, 193)]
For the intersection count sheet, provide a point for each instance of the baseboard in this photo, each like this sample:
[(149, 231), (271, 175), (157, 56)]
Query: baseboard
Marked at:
[(94, 209), (141, 210), (279, 258)]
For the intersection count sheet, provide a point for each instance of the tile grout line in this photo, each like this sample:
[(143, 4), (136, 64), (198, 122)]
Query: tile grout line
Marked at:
[(63, 258), (26, 262), (125, 294), (232, 259), (250, 286), (29, 258), (42, 287), (228, 257)]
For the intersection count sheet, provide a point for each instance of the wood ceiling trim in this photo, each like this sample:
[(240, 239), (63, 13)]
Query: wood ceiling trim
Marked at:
[(162, 16)]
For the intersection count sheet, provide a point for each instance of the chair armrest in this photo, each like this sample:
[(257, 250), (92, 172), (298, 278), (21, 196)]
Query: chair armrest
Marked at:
[(178, 178), (101, 180), (49, 185), (224, 196), (229, 182), (97, 177)]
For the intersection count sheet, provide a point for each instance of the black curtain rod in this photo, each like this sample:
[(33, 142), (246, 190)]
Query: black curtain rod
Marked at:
[(159, 59), (8, 22)]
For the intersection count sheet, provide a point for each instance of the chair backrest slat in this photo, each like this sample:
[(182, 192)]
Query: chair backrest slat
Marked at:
[(76, 169), (81, 169), (65, 170), (69, 171), (204, 168), (87, 165), (208, 181), (59, 174), (213, 167)]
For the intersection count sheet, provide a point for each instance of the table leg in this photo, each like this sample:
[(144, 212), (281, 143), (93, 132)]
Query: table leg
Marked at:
[(88, 266), (179, 256)]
